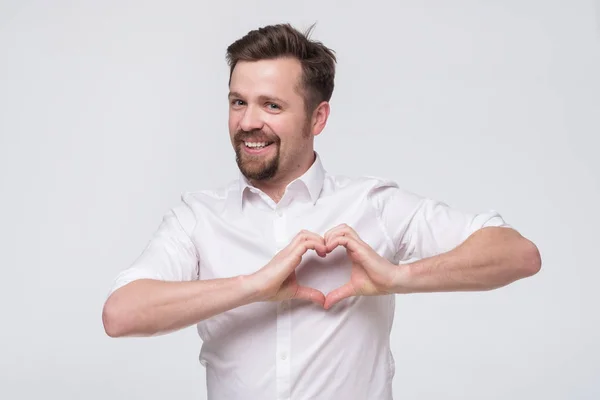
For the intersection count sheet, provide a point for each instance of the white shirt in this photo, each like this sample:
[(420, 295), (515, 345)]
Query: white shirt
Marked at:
[(295, 349)]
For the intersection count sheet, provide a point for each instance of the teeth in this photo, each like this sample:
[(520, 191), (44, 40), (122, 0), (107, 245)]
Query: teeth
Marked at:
[(255, 144)]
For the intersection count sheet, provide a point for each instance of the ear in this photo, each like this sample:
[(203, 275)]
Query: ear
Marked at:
[(319, 117)]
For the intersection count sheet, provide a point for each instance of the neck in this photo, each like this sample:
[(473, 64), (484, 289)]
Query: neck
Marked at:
[(275, 187)]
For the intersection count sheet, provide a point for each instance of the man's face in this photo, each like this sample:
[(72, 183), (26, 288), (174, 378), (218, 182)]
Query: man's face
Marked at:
[(268, 125)]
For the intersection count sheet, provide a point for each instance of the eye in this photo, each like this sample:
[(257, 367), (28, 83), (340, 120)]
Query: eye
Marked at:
[(237, 102), (273, 106)]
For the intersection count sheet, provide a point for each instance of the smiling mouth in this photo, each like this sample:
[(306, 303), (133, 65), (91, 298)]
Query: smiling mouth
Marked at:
[(257, 145)]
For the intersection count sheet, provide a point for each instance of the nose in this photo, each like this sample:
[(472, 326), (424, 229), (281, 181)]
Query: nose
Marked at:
[(251, 120)]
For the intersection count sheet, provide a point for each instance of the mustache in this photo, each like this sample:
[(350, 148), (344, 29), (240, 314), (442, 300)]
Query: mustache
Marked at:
[(256, 134)]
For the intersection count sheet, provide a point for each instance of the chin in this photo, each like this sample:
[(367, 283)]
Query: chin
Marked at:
[(263, 173)]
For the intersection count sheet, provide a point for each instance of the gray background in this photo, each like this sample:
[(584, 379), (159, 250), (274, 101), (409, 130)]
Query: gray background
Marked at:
[(110, 109)]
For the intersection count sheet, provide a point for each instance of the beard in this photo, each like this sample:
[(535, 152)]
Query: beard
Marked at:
[(256, 167), (261, 167)]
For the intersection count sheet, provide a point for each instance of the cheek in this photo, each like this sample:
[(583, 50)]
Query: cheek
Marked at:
[(284, 127), (233, 123)]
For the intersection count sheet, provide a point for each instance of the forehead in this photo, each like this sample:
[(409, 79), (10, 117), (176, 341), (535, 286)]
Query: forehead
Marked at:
[(278, 77)]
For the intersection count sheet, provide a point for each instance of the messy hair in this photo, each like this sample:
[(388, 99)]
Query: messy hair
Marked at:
[(282, 40)]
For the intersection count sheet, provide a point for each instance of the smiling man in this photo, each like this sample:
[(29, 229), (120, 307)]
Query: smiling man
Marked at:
[(289, 273), (272, 133)]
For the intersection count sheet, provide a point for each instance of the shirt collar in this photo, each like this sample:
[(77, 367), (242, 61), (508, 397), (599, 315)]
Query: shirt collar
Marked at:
[(313, 179)]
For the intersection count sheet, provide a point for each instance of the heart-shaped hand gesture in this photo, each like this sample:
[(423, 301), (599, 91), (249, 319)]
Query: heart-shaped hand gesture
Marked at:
[(371, 274), (277, 281)]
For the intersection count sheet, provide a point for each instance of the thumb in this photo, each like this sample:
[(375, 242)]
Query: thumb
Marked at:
[(310, 294), (338, 295)]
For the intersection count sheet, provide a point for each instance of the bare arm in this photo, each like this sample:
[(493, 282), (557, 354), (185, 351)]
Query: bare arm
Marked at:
[(490, 258), (148, 307)]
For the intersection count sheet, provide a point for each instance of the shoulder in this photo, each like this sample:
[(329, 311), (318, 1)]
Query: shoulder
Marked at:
[(210, 196), (366, 182), (194, 204), (378, 189)]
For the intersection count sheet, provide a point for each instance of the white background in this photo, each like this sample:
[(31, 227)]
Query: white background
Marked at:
[(110, 109)]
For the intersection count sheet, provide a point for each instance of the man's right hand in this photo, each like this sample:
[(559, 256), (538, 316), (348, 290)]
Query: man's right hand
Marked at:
[(276, 281), (150, 307)]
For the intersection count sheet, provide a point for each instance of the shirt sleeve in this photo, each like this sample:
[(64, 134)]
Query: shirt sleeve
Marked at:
[(420, 227), (170, 255)]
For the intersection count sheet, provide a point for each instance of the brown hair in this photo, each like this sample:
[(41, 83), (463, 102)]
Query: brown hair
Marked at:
[(282, 40)]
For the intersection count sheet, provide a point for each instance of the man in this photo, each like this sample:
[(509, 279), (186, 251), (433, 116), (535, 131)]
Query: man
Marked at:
[(291, 273)]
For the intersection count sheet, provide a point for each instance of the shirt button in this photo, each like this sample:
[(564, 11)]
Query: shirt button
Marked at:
[(279, 213), (283, 356)]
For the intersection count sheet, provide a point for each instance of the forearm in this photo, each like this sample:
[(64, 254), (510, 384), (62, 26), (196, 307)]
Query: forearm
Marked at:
[(490, 258), (149, 307)]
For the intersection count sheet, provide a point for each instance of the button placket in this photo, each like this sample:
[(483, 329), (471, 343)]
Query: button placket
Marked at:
[(284, 328), (279, 230)]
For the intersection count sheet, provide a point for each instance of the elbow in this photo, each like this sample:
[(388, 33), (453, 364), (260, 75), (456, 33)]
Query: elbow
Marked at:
[(113, 319), (531, 259)]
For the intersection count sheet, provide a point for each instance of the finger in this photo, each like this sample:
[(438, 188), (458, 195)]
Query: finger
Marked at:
[(338, 295), (310, 294), (349, 242), (292, 255), (333, 230), (301, 248), (340, 230), (290, 258), (308, 240)]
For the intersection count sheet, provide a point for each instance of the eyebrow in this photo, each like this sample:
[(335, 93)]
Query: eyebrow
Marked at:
[(261, 98), (233, 94)]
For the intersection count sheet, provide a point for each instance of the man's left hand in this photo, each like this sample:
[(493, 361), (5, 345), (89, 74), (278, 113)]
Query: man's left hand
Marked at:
[(371, 274)]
